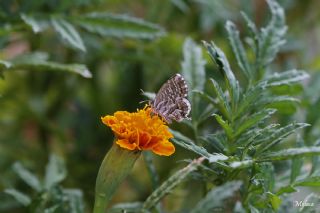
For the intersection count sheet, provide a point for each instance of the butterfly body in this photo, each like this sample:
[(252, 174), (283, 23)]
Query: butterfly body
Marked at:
[(171, 101)]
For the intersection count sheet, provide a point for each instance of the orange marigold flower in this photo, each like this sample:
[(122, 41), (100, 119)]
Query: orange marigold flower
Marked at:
[(140, 131)]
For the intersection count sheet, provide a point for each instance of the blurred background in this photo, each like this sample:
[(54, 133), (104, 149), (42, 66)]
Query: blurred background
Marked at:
[(47, 107)]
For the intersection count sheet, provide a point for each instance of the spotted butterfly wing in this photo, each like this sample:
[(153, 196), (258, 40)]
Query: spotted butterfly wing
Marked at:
[(171, 101)]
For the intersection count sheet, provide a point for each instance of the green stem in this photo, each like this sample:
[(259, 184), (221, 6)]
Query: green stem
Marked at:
[(115, 167)]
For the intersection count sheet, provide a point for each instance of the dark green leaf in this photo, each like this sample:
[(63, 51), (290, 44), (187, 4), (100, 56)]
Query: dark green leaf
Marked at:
[(254, 119), (277, 136), (224, 124), (188, 144), (222, 100), (170, 183), (216, 197), (220, 59), (238, 49), (147, 156)]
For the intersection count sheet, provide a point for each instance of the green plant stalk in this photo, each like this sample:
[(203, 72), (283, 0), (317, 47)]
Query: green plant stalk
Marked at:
[(115, 167)]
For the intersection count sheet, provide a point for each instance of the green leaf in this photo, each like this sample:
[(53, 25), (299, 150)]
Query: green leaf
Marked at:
[(249, 98), (254, 119), (193, 71), (188, 144), (286, 189), (285, 78), (241, 164), (170, 183), (37, 62), (238, 49), (127, 207), (19, 196), (193, 65), (290, 153), (224, 124), (147, 156), (277, 136), (107, 24), (309, 181), (27, 176), (215, 198), (296, 162), (271, 38), (315, 160), (222, 100), (274, 200), (220, 59), (5, 64), (75, 200), (38, 24), (55, 171), (68, 33)]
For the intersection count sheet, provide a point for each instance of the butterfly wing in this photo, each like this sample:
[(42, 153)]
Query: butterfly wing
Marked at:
[(171, 101)]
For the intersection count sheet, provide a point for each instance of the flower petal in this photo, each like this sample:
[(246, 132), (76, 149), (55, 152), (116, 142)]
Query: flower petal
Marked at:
[(164, 148), (124, 143)]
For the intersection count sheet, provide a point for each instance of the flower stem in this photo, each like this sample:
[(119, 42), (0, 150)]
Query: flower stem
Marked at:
[(115, 167)]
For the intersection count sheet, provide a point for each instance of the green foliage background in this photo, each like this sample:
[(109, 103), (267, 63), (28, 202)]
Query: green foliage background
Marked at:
[(64, 64)]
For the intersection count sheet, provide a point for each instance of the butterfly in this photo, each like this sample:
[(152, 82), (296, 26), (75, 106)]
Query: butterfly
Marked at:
[(171, 101)]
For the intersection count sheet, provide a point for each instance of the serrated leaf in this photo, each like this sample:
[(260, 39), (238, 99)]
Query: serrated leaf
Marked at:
[(223, 103), (68, 33), (188, 144), (55, 171), (225, 125), (220, 59), (238, 49), (285, 78), (249, 98), (216, 197), (107, 24), (290, 153), (254, 119), (19, 196), (170, 183), (277, 136), (27, 176), (127, 207), (217, 141), (271, 38)]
